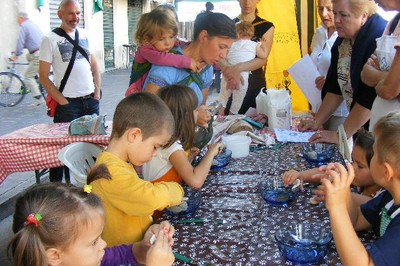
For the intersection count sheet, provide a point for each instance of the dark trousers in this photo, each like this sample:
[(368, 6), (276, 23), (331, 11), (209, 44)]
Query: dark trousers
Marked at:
[(76, 108)]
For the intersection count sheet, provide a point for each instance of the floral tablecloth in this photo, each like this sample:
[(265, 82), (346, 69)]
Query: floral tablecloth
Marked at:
[(37, 147), (248, 238)]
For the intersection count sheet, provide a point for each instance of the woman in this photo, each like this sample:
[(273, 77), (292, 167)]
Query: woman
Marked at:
[(381, 70), (322, 42), (264, 33), (357, 25), (213, 34)]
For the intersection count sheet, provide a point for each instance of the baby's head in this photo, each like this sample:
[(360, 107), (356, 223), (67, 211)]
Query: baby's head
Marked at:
[(182, 101), (244, 30), (362, 155), (387, 147), (142, 122), (156, 26), (56, 223)]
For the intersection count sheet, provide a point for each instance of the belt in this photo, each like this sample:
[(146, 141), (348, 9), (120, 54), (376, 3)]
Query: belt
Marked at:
[(82, 97), (34, 51)]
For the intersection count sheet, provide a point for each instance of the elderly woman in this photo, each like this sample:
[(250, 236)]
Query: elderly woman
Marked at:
[(383, 68), (213, 34), (321, 45), (264, 33), (357, 25)]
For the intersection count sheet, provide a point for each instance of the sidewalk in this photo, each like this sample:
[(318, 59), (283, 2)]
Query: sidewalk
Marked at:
[(114, 85)]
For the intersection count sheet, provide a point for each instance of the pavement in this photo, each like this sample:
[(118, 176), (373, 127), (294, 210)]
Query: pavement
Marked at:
[(114, 84)]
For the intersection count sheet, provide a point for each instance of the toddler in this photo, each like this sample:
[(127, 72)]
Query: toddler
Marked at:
[(380, 213), (60, 224), (171, 162), (142, 123), (242, 50), (156, 34)]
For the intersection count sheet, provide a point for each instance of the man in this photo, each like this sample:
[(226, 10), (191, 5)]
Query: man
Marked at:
[(30, 37), (81, 93)]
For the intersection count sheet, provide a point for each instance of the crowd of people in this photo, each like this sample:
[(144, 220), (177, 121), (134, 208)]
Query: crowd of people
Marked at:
[(355, 51)]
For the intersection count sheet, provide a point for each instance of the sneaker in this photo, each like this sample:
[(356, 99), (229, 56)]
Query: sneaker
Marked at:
[(38, 101)]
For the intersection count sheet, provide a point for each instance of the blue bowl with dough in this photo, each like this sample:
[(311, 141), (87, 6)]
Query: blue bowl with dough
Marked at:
[(318, 153), (221, 160)]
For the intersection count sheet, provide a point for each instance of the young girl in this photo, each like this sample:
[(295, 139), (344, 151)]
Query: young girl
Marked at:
[(171, 162), (60, 224), (361, 155), (156, 35)]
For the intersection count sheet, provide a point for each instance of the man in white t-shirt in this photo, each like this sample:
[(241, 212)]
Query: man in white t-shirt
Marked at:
[(81, 93)]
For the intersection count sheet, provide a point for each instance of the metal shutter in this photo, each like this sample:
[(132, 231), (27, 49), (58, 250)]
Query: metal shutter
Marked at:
[(108, 29), (55, 21), (134, 13)]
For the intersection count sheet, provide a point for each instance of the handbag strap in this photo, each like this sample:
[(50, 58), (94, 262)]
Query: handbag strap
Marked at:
[(394, 24)]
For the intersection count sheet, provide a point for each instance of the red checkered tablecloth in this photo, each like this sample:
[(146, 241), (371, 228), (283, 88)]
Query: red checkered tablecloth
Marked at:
[(37, 147)]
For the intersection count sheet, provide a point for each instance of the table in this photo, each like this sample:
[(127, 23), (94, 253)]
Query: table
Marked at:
[(248, 237), (36, 147)]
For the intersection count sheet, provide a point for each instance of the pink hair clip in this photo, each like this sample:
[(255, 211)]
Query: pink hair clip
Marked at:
[(33, 218)]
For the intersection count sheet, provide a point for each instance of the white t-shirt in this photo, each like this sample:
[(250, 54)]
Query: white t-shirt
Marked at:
[(57, 51), (241, 51), (159, 165)]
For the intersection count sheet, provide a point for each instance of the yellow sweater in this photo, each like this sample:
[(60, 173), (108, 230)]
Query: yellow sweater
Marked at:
[(130, 201)]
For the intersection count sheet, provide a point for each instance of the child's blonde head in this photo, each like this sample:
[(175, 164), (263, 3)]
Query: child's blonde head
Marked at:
[(145, 111), (244, 29), (387, 138), (154, 24), (182, 101), (66, 210)]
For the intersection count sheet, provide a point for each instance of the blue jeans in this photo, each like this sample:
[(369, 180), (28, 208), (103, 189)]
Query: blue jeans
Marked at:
[(76, 107)]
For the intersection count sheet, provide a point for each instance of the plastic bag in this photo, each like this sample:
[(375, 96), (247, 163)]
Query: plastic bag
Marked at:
[(88, 125)]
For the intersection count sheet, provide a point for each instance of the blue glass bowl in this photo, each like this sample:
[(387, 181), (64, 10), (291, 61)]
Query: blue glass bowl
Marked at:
[(221, 160), (304, 243), (193, 199), (319, 153), (275, 193)]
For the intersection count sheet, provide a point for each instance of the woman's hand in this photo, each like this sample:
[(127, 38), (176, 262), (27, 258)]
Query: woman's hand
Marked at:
[(319, 82), (204, 115), (232, 77), (308, 125), (160, 253), (289, 177), (373, 62), (324, 136)]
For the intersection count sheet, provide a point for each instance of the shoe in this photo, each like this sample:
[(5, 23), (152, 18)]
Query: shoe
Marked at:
[(38, 101)]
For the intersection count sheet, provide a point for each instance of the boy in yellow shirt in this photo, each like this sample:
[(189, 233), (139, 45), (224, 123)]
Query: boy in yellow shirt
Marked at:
[(142, 123)]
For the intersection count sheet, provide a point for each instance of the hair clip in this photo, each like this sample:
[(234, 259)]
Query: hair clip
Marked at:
[(87, 189), (33, 218)]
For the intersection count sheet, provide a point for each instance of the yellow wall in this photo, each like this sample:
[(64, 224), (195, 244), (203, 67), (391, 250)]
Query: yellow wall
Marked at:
[(285, 49)]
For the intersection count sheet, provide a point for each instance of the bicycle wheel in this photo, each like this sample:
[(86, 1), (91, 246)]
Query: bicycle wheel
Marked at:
[(12, 89)]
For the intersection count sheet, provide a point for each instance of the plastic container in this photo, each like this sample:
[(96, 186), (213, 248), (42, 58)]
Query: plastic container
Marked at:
[(238, 144)]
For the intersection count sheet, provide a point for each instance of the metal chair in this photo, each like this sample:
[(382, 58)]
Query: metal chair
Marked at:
[(79, 157)]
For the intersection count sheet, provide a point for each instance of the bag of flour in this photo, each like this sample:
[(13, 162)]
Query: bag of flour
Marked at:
[(279, 109)]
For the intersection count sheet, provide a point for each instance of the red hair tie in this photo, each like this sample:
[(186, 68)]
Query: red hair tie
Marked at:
[(33, 218)]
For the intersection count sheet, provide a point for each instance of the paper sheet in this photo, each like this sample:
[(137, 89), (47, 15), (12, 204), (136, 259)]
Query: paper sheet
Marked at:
[(304, 72), (285, 135)]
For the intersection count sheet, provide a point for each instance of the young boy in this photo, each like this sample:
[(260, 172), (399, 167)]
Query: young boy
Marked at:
[(381, 213), (142, 123)]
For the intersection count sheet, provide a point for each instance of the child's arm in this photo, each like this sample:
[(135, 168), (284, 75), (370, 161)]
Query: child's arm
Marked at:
[(169, 59), (344, 215), (194, 176), (289, 177), (261, 51)]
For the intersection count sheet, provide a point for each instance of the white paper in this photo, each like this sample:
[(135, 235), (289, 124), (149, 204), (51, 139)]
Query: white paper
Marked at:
[(304, 72), (286, 135)]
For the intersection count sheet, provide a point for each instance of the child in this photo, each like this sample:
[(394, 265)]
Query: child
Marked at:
[(361, 155), (242, 50), (142, 123), (171, 162), (156, 35), (381, 213), (60, 224)]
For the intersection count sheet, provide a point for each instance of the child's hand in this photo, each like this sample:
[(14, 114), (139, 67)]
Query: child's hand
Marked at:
[(290, 176), (337, 191), (154, 229), (215, 148), (161, 252), (196, 66)]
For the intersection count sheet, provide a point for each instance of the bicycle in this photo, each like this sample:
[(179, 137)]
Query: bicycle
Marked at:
[(13, 87)]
